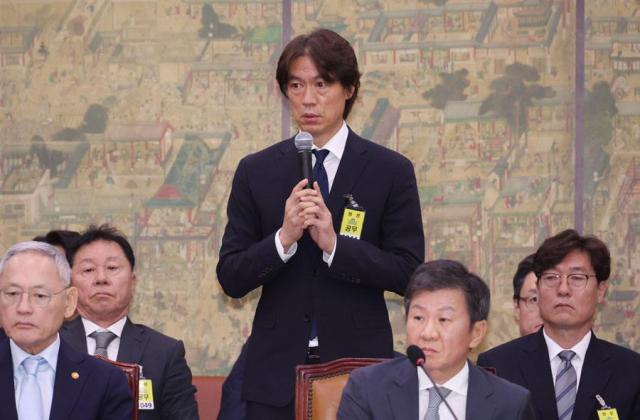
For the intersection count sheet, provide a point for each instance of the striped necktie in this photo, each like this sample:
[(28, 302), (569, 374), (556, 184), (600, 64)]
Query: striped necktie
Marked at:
[(434, 402), (566, 383)]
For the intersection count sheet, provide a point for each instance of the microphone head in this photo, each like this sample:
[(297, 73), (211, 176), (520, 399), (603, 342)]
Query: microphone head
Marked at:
[(415, 354), (303, 141)]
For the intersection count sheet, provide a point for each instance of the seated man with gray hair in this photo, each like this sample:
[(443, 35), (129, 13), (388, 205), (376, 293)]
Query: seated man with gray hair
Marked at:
[(41, 377)]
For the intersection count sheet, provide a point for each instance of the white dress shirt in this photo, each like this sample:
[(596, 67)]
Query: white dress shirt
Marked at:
[(457, 398), (114, 345), (578, 360), (46, 372)]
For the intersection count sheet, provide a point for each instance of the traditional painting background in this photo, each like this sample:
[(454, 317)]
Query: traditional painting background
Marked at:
[(136, 112)]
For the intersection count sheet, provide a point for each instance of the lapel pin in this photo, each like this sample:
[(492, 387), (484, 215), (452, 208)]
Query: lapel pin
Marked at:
[(75, 375)]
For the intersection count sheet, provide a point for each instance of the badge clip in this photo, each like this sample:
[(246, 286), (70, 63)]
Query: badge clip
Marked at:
[(352, 218)]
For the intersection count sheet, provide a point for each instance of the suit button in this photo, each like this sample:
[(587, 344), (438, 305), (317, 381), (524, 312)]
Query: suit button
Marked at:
[(315, 272), (307, 318)]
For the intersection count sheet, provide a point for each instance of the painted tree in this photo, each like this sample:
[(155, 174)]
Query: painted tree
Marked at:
[(451, 88), (212, 28), (512, 94), (599, 112)]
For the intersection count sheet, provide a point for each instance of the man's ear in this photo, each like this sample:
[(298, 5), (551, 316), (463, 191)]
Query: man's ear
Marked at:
[(478, 331), (71, 301)]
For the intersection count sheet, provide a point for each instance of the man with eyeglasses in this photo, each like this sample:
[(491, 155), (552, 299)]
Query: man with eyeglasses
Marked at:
[(103, 265), (572, 374), (525, 297), (41, 376)]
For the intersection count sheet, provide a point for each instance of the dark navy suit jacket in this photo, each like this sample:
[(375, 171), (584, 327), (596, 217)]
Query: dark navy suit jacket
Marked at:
[(389, 391), (163, 361), (609, 370), (100, 391), (346, 299)]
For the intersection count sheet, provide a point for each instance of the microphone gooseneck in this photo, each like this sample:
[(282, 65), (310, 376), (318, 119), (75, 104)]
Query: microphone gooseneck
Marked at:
[(417, 357)]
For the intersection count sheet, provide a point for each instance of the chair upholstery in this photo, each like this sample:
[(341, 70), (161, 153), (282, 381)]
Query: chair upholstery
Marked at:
[(208, 395), (319, 387), (133, 378)]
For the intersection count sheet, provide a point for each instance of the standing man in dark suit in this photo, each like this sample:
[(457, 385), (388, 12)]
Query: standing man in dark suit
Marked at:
[(41, 376), (570, 372), (446, 310), (103, 272), (322, 287)]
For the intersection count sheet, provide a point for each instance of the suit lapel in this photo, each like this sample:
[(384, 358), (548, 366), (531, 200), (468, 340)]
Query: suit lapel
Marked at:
[(74, 334), (478, 395), (353, 162), (536, 373), (403, 393), (7, 390), (593, 379), (70, 380), (132, 343)]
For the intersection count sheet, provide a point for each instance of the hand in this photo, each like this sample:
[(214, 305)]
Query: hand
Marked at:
[(317, 218), (293, 223)]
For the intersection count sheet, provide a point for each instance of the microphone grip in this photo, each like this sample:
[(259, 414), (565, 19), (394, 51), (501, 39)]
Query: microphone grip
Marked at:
[(305, 167)]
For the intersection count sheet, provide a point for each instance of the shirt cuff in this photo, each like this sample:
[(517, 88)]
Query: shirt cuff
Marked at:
[(285, 256), (328, 258)]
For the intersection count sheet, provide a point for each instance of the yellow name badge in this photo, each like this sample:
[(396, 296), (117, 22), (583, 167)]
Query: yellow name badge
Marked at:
[(608, 414), (145, 395), (352, 222)]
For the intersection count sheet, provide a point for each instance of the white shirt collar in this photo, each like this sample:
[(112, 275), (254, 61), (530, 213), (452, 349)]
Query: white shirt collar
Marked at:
[(580, 348), (337, 143), (50, 354), (458, 384), (116, 327)]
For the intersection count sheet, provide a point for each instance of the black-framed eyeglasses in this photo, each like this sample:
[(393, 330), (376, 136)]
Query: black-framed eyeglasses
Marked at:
[(11, 295), (530, 302), (576, 281)]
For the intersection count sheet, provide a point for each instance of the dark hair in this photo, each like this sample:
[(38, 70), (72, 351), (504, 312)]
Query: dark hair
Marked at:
[(554, 249), (447, 274), (61, 238), (332, 55), (104, 232), (525, 267)]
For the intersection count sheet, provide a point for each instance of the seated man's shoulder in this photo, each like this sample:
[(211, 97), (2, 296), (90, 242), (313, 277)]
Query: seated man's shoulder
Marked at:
[(157, 338), (509, 347), (622, 355), (380, 371)]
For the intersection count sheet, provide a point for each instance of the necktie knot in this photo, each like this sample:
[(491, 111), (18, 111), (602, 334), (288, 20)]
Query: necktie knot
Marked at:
[(321, 155), (31, 364), (103, 338), (566, 355)]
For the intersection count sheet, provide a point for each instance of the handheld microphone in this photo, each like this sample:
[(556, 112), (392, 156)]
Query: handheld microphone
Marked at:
[(417, 357), (304, 143)]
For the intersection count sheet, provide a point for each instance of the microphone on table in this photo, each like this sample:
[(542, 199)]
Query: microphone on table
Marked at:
[(304, 144), (417, 357)]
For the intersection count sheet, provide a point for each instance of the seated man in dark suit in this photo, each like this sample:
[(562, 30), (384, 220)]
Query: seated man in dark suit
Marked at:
[(41, 376), (103, 271), (569, 371), (446, 309)]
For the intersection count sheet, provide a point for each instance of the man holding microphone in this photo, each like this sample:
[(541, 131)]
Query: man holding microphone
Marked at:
[(324, 255)]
